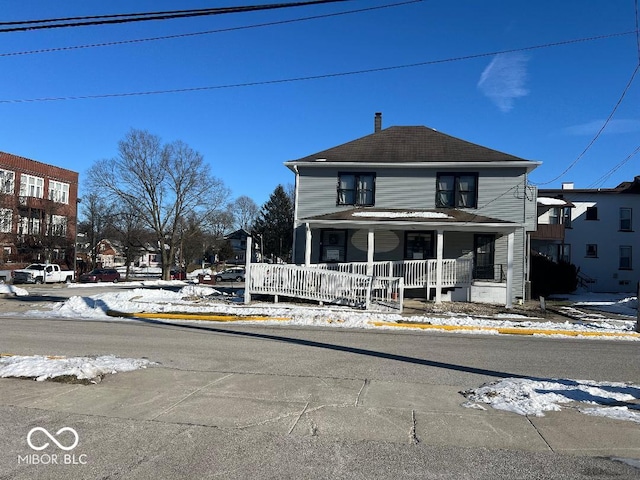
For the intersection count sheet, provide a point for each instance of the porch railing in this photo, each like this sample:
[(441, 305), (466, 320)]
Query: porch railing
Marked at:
[(415, 273), (323, 285)]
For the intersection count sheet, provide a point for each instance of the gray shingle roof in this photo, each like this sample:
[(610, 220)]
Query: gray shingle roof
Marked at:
[(409, 145)]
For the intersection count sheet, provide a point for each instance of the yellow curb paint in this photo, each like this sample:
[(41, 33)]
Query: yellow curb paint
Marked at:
[(195, 316), (507, 330)]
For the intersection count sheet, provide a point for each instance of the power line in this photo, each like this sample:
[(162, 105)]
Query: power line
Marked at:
[(207, 32), (314, 77), (597, 135), (600, 181), (21, 26)]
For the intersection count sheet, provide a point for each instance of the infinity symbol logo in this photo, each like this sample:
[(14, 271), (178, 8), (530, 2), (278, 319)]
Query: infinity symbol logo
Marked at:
[(58, 444)]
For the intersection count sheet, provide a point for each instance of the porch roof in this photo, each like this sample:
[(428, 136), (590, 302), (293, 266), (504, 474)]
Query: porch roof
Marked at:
[(409, 219)]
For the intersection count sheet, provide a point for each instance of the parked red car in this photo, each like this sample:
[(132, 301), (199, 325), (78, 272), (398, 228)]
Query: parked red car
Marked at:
[(100, 275)]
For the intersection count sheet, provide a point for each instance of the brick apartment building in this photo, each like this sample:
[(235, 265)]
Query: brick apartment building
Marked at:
[(38, 212)]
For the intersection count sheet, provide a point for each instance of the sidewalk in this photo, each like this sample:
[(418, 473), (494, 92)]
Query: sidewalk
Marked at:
[(331, 408)]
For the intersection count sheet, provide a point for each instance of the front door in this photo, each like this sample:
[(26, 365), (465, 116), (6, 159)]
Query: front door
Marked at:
[(484, 256)]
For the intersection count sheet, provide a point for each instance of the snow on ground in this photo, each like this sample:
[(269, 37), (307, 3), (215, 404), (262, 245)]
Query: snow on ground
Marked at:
[(83, 368), (536, 396)]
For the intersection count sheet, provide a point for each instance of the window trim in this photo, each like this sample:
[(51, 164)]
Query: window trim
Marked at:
[(355, 190), (456, 176)]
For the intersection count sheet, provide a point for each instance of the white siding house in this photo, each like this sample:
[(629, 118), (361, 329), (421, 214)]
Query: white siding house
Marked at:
[(604, 234)]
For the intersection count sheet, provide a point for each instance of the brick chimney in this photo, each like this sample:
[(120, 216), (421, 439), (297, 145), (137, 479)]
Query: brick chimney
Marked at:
[(377, 122)]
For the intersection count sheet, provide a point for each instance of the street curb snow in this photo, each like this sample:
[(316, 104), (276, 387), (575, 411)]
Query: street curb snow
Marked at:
[(507, 330)]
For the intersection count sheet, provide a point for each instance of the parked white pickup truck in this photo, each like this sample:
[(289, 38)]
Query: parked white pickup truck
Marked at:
[(43, 273)]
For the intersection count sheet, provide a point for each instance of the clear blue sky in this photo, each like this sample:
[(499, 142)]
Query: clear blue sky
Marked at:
[(543, 104)]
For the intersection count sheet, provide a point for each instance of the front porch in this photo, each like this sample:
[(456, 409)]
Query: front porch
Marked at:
[(471, 260)]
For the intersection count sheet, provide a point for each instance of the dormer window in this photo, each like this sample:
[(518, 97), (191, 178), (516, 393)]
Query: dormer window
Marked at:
[(356, 189), (457, 190)]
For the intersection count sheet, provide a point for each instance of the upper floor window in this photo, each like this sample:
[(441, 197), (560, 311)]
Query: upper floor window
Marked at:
[(592, 213), (592, 250), (457, 190), (31, 186), (6, 220), (554, 216), (7, 181), (625, 219), (356, 189), (58, 191), (625, 257)]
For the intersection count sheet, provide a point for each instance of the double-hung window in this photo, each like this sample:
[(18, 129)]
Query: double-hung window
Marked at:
[(625, 257), (459, 190), (625, 219), (356, 189)]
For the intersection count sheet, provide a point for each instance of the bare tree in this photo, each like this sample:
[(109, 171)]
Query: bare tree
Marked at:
[(164, 183), (95, 213), (245, 212)]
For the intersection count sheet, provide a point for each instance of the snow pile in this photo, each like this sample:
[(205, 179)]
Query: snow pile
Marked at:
[(536, 396), (12, 290), (83, 368)]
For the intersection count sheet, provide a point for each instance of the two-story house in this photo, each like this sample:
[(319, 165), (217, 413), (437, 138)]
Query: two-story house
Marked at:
[(599, 234), (38, 210), (412, 198)]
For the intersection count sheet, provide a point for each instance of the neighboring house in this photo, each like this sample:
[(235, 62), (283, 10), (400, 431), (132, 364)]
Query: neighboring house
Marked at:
[(109, 254), (601, 237), (407, 197), (238, 242), (38, 210)]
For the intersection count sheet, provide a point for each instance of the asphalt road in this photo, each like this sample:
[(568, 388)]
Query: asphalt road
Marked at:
[(163, 447)]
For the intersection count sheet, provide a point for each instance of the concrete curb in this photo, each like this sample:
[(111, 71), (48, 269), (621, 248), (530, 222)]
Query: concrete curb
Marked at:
[(507, 330), (196, 316)]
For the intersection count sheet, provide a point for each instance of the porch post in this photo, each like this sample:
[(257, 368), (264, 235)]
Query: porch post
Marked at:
[(247, 271), (509, 293), (439, 249), (370, 249), (307, 245)]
